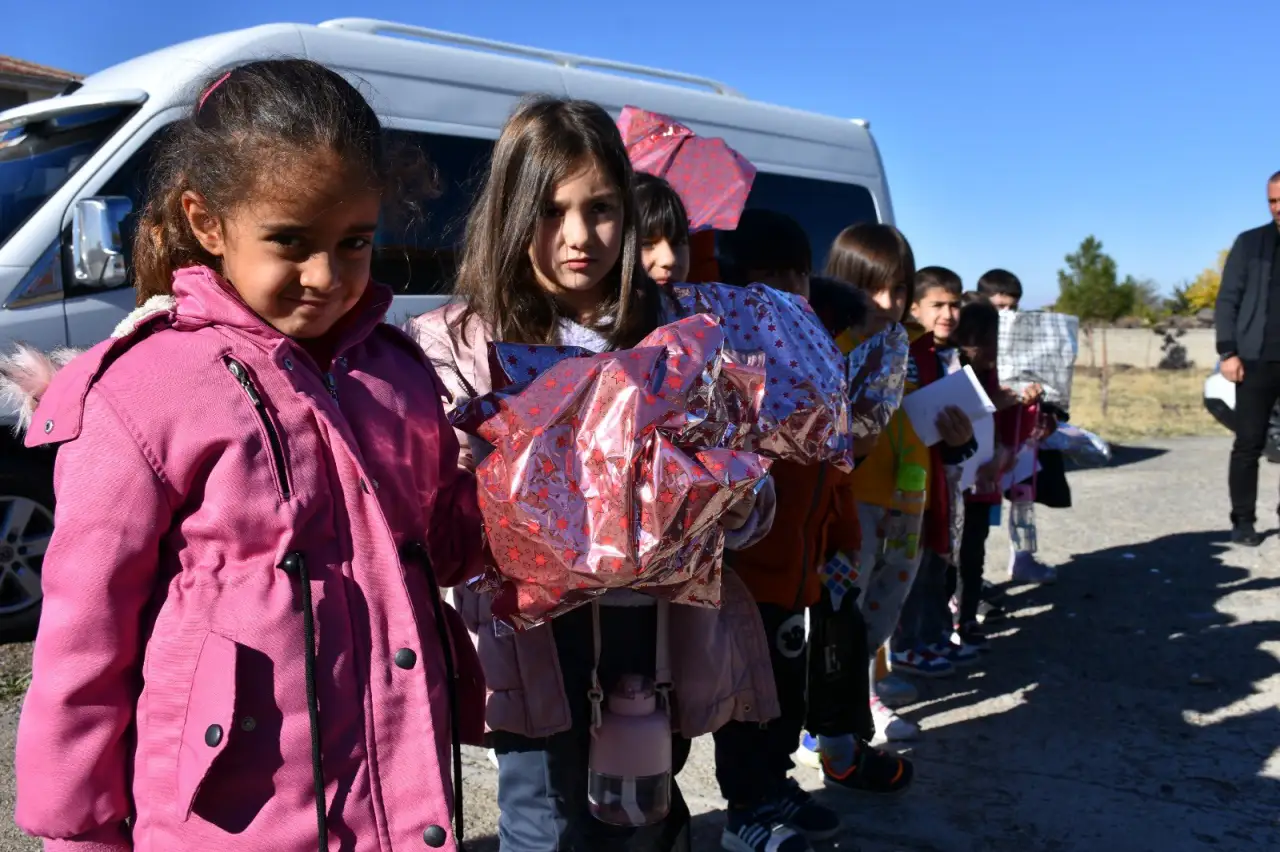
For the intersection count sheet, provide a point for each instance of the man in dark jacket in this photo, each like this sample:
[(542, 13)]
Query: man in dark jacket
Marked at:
[(1248, 334)]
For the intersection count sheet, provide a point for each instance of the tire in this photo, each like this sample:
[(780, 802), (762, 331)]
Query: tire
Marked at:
[(26, 525)]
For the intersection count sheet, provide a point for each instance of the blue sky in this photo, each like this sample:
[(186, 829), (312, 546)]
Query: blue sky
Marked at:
[(1009, 130)]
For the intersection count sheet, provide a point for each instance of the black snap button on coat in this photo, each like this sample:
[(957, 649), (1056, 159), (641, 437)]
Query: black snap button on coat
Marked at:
[(405, 658)]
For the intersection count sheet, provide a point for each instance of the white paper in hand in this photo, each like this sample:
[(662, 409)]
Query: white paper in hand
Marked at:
[(960, 389), (984, 432)]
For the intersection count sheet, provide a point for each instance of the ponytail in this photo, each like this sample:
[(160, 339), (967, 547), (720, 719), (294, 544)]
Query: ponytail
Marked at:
[(246, 125)]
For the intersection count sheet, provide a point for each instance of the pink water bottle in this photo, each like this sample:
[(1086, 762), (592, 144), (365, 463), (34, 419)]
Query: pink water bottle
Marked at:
[(629, 779)]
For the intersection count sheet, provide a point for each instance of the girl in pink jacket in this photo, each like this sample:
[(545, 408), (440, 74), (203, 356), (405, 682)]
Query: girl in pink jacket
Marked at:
[(243, 644)]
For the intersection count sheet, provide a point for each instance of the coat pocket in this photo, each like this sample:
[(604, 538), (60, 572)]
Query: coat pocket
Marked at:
[(210, 717), (271, 435)]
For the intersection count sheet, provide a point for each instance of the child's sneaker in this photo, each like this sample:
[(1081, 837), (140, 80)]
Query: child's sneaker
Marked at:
[(958, 655), (798, 809), (1025, 568), (989, 612), (891, 727), (922, 663), (870, 771), (807, 754), (761, 829), (897, 691), (973, 636)]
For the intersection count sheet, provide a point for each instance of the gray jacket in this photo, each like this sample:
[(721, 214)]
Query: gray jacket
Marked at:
[(1240, 315)]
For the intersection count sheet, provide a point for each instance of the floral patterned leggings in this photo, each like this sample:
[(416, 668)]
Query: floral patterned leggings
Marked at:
[(883, 578)]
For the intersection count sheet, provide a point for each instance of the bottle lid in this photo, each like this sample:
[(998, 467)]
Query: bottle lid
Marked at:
[(912, 477), (633, 695)]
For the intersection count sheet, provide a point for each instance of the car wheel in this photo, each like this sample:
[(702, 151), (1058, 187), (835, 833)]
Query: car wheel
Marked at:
[(26, 527)]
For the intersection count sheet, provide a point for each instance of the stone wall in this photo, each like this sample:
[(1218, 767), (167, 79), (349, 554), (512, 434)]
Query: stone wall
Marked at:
[(1140, 348)]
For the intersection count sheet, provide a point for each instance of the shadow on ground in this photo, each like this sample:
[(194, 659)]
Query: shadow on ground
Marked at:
[(1123, 456), (1126, 698)]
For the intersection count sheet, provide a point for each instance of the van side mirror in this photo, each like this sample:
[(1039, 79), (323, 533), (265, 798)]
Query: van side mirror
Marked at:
[(96, 246)]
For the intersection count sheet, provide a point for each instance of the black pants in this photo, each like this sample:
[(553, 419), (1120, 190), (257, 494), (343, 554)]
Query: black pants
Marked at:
[(823, 684), (973, 559), (753, 759), (926, 615), (839, 671), (542, 782), (1256, 396)]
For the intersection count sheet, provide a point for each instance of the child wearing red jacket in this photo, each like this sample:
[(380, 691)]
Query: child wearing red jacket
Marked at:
[(976, 338)]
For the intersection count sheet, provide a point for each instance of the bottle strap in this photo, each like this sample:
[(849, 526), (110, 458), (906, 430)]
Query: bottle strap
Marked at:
[(662, 679), (595, 693)]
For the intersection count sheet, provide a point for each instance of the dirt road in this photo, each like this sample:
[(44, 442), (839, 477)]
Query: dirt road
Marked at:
[(1134, 706)]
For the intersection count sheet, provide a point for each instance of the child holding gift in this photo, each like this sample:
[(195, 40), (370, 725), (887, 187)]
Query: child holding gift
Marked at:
[(816, 517), (877, 259), (977, 340), (1050, 484), (561, 182)]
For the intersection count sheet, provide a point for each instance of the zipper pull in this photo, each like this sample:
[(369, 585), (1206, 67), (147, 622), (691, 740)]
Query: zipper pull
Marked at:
[(237, 370), (332, 385)]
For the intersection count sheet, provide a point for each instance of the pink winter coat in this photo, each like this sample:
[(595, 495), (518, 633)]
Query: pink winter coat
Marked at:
[(720, 658), (208, 477)]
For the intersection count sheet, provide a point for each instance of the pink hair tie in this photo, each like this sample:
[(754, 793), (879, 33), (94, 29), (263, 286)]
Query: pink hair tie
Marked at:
[(209, 91)]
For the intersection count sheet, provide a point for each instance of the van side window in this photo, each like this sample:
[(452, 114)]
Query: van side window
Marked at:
[(417, 255), (823, 208)]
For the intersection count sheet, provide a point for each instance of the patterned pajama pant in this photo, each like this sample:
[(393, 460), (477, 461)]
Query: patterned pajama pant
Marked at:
[(883, 578)]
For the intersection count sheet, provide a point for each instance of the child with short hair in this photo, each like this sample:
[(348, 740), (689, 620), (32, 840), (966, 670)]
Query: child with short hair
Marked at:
[(925, 628), (243, 643), (878, 260), (663, 224), (977, 339), (1049, 484), (936, 307)]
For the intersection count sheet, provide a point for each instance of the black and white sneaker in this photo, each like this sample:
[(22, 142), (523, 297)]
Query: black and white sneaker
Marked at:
[(761, 829), (799, 810)]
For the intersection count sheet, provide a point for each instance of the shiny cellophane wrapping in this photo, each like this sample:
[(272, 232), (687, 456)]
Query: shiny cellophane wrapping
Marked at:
[(877, 374), (805, 416), (612, 471)]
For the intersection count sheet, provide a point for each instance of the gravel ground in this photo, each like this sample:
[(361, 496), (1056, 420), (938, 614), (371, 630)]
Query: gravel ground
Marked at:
[(1134, 706)]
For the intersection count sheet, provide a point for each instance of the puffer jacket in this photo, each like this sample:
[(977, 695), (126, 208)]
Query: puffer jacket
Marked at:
[(242, 596), (720, 658)]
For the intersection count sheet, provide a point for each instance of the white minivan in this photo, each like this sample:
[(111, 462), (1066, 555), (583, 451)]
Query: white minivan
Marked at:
[(73, 170)]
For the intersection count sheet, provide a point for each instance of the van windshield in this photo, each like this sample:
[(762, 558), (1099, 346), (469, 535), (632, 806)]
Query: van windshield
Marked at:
[(37, 159)]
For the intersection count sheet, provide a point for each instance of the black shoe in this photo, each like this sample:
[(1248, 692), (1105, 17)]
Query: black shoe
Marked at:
[(972, 634), (798, 809), (1246, 535), (761, 829), (989, 612), (873, 770)]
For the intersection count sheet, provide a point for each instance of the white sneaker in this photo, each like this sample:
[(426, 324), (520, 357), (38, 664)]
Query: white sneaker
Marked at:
[(807, 754), (889, 725), (897, 691), (1025, 568), (493, 758)]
